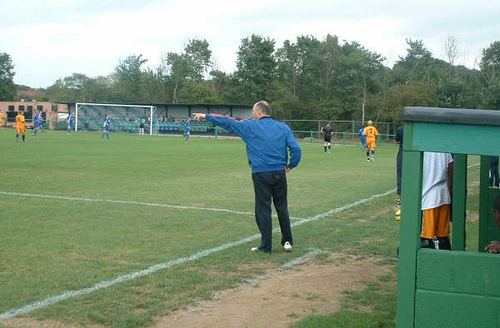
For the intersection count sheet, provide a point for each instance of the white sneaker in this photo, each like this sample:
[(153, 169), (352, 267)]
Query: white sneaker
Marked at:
[(259, 250), (287, 247)]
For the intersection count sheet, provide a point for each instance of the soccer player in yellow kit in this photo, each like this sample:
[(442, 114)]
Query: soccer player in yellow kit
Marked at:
[(20, 126), (371, 134), (1, 119)]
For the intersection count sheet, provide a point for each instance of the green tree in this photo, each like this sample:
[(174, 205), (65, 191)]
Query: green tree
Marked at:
[(176, 72), (221, 86), (80, 88), (490, 75), (331, 55), (69, 89), (78, 85), (99, 89), (255, 68), (153, 86), (128, 79), (7, 86), (415, 65), (299, 76), (415, 93), (359, 75), (199, 59), (288, 66), (187, 69)]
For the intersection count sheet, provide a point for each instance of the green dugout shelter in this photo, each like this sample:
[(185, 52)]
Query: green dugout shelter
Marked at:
[(457, 288)]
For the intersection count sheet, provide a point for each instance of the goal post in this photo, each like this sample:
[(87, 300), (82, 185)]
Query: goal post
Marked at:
[(124, 117)]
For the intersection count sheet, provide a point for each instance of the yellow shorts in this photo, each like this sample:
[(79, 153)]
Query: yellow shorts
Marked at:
[(370, 143), (21, 129), (436, 222)]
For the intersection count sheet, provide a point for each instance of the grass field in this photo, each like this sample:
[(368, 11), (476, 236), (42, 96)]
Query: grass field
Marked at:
[(77, 210)]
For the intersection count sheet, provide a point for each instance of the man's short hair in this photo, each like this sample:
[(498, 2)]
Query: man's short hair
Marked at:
[(263, 107)]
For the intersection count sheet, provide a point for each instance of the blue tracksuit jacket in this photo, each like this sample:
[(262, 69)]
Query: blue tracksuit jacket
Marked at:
[(267, 142)]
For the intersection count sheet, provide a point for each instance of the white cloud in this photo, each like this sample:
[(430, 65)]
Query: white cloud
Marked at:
[(90, 37)]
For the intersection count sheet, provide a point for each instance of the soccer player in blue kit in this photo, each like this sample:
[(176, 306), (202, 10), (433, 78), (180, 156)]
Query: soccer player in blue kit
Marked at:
[(37, 122), (106, 125), (187, 128), (362, 138), (70, 121)]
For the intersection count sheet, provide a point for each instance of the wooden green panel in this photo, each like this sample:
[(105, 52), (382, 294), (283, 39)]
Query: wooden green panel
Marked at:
[(458, 202), (448, 288), (484, 203), (459, 272), (409, 237), (455, 138), (446, 310), (408, 136)]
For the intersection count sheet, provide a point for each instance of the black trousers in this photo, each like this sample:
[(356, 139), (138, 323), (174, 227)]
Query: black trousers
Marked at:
[(399, 170), (267, 186)]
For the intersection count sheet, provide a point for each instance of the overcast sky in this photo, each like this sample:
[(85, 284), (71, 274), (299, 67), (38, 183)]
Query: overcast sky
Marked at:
[(51, 39)]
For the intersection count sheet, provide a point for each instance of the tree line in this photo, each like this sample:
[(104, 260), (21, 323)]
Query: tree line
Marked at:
[(303, 79)]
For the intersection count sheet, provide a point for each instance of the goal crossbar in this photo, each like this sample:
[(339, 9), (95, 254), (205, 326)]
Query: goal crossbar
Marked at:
[(151, 109)]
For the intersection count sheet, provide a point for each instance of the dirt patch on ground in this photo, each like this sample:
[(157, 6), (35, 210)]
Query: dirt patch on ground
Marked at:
[(35, 323), (280, 297), (276, 299)]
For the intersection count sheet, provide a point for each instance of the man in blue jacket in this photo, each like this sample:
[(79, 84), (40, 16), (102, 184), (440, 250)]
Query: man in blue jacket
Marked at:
[(267, 143)]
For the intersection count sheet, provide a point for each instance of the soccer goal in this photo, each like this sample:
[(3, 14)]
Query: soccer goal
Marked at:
[(124, 118)]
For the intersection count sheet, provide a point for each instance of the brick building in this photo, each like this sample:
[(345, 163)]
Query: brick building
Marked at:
[(49, 111)]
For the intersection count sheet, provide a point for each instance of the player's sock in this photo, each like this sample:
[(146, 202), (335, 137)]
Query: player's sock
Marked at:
[(426, 243), (325, 148), (24, 137), (17, 137), (444, 243)]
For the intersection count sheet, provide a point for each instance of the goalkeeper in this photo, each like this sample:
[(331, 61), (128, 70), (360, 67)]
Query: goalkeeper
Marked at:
[(267, 143)]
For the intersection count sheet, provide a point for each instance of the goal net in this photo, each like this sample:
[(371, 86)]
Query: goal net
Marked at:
[(124, 118)]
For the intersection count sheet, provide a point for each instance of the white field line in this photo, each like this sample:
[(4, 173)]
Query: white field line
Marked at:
[(128, 202), (339, 209), (290, 264), (302, 259), (165, 265), (313, 253), (124, 202)]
